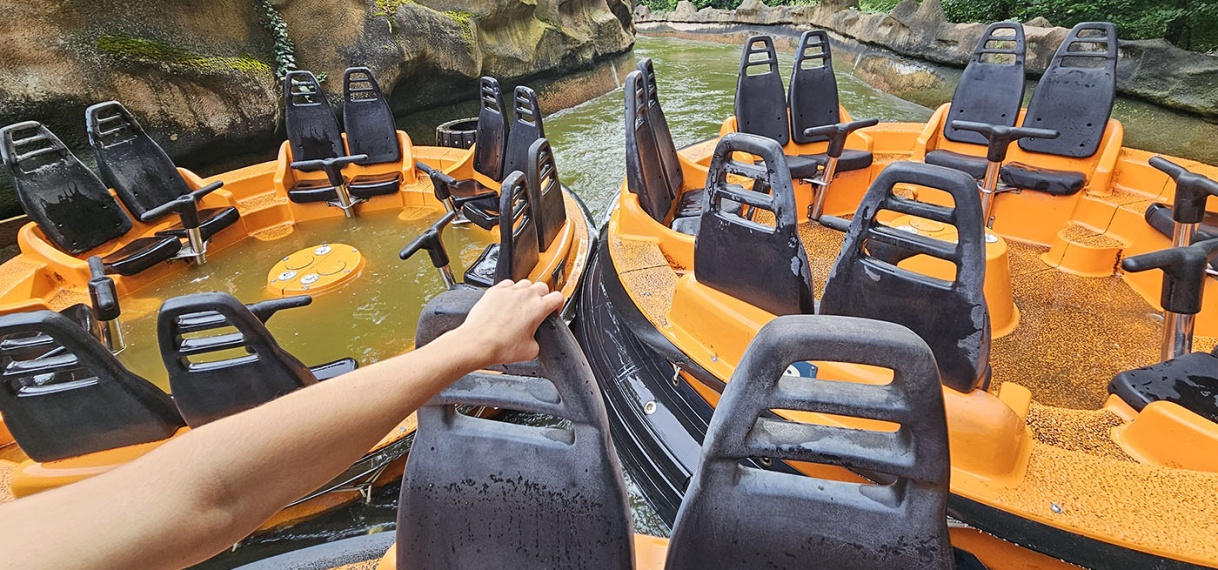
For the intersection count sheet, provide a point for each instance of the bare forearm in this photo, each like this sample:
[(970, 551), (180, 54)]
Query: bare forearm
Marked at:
[(223, 480)]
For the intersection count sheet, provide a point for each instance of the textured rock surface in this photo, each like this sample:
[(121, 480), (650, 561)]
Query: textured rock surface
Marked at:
[(1152, 70), (199, 75)]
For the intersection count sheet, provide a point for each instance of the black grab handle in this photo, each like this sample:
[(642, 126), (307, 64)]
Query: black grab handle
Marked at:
[(430, 240), (264, 310), (1191, 191), (440, 182), (186, 206), (1183, 273), (837, 134), (1001, 137), (103, 295), (333, 167)]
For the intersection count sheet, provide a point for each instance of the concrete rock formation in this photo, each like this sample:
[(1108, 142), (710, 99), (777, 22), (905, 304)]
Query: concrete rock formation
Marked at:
[(1149, 69), (200, 75)]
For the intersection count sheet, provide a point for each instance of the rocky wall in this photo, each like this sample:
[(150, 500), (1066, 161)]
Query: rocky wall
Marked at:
[(200, 75)]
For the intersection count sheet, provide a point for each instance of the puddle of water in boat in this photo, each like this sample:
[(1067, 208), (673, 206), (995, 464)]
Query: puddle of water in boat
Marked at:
[(370, 318)]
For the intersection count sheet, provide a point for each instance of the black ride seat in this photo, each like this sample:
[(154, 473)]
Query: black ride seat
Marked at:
[(665, 146), (527, 129), (761, 265), (951, 315), (990, 91), (1075, 98), (313, 134), (517, 251), (207, 381), (70, 204), (736, 516), (814, 103), (64, 394), (371, 130), (545, 193), (142, 175), (645, 175), (514, 496), (490, 141)]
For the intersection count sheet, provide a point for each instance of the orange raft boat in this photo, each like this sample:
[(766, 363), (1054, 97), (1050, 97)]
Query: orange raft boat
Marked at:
[(1022, 264), (88, 348)]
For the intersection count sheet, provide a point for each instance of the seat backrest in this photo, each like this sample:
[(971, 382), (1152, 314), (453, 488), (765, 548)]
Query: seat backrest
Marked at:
[(783, 520), (991, 88), (761, 104), (762, 265), (215, 371), (666, 148), (1075, 95), (526, 129), (492, 133), (545, 193), (63, 394), (367, 118), (518, 251), (644, 167), (951, 315), (130, 162), (813, 88), (313, 132), (514, 496), (68, 202)]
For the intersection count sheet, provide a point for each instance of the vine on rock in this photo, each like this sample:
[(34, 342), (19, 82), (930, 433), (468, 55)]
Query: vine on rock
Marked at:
[(284, 51)]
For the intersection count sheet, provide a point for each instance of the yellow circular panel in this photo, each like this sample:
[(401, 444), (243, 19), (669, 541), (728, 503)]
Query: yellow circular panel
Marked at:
[(315, 270)]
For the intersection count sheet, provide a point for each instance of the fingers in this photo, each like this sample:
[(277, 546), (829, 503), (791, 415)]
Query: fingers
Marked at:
[(505, 284)]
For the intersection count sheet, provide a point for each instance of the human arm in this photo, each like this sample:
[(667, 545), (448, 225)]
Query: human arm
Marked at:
[(199, 493)]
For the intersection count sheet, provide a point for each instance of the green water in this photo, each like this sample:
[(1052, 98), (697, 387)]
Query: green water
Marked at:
[(370, 318), (697, 83)]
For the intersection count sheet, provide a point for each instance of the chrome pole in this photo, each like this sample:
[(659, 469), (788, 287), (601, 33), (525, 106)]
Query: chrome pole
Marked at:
[(1177, 335), (446, 273), (1182, 234), (110, 333), (989, 187), (822, 187), (195, 238)]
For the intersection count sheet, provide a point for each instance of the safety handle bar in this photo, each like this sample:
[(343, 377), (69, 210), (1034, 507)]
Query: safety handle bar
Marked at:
[(333, 166), (1192, 189), (103, 295), (185, 206), (1001, 137), (837, 134), (430, 240), (1184, 272), (264, 310)]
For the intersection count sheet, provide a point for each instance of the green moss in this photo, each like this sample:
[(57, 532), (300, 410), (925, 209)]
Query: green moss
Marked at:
[(465, 20), (152, 52), (388, 9)]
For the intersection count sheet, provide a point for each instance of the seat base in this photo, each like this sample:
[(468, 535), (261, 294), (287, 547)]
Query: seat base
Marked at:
[(482, 271), (375, 185), (805, 166), (141, 254), (972, 165), (211, 221), (1052, 182), (1190, 380), (310, 191)]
